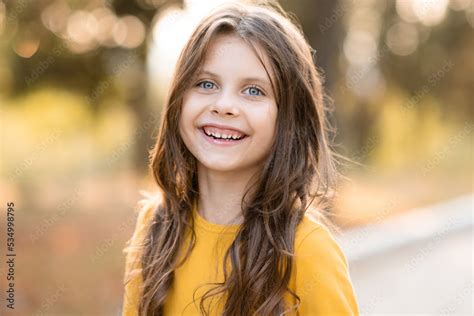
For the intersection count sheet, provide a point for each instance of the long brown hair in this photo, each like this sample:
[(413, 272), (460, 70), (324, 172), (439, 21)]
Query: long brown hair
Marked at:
[(300, 170)]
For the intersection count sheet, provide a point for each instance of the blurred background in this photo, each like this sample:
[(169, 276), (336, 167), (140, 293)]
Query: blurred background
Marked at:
[(82, 85)]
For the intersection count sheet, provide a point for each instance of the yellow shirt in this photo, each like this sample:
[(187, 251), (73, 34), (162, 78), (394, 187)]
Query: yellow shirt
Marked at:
[(320, 274)]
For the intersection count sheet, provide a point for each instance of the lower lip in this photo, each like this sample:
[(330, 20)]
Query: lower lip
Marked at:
[(222, 142)]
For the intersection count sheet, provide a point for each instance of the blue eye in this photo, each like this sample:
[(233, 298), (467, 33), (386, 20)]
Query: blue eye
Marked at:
[(206, 85), (254, 91)]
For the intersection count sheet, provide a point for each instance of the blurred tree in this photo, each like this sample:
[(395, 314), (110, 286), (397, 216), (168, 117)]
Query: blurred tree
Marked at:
[(39, 51), (39, 55), (438, 67), (322, 26), (440, 63)]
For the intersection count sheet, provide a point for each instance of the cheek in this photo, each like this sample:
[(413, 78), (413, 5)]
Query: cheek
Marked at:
[(187, 115), (186, 124), (192, 107), (183, 122), (266, 123), (182, 131)]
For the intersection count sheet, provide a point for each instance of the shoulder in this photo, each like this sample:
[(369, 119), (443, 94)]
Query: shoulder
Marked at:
[(322, 280), (317, 252), (314, 238), (145, 209)]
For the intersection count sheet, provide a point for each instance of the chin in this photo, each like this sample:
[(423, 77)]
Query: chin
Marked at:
[(219, 165)]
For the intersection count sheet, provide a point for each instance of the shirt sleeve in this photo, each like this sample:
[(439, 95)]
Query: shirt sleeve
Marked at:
[(322, 277), (132, 277)]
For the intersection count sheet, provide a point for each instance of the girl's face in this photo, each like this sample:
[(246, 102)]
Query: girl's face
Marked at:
[(228, 117)]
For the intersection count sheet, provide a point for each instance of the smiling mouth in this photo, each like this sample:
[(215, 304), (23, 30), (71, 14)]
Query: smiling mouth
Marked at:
[(223, 137), (234, 136)]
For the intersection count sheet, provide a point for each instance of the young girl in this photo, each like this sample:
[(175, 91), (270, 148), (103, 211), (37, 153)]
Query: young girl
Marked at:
[(241, 156)]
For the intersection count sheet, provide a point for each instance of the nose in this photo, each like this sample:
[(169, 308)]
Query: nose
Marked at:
[(225, 104)]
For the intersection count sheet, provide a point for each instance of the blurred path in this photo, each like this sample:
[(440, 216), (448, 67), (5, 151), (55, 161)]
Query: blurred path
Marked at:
[(417, 263)]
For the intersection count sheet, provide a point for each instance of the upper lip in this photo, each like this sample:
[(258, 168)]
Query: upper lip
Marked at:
[(222, 126)]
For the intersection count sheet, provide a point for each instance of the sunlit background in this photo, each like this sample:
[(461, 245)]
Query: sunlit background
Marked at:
[(82, 85)]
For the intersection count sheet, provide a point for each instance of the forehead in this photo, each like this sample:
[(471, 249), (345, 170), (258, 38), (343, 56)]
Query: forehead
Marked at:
[(229, 53)]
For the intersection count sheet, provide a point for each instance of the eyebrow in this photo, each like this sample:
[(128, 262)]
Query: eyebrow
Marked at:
[(261, 80)]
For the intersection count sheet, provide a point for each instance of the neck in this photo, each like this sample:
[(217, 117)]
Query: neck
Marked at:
[(220, 194)]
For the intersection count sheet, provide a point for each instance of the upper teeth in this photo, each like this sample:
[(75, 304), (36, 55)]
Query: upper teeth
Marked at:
[(222, 135)]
